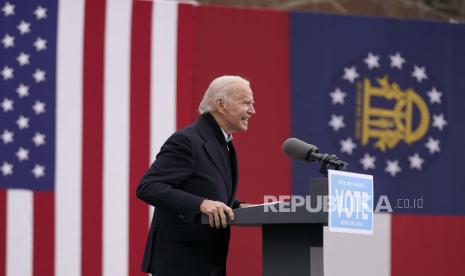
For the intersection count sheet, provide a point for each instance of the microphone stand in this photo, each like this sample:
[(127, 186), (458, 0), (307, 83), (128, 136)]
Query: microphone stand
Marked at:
[(331, 162)]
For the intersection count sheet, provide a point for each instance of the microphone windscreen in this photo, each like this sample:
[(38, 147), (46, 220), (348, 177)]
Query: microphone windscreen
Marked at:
[(297, 149)]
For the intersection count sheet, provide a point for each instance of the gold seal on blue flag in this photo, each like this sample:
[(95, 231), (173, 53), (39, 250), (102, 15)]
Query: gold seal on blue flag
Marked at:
[(387, 113)]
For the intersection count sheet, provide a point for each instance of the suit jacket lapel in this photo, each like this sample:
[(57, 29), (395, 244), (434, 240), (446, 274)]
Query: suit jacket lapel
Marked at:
[(214, 150), (234, 169)]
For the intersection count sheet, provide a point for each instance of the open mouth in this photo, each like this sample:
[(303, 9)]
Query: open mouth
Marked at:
[(245, 120)]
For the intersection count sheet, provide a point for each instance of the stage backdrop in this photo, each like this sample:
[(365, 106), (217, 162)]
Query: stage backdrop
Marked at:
[(91, 89)]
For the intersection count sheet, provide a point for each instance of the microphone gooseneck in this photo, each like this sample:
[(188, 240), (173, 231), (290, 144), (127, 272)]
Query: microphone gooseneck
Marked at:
[(300, 150)]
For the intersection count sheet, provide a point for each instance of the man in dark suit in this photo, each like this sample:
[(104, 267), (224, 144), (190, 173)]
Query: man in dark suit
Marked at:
[(196, 172)]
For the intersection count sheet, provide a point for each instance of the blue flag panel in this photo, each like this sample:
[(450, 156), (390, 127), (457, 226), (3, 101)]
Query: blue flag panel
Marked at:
[(388, 97), (27, 100)]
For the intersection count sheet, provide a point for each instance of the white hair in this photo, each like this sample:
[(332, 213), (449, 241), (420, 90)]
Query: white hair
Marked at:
[(219, 88)]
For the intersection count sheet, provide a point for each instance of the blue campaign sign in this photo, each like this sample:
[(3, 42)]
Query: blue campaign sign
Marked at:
[(351, 202)]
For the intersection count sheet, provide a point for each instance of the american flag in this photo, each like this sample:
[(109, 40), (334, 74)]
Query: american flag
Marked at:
[(79, 125)]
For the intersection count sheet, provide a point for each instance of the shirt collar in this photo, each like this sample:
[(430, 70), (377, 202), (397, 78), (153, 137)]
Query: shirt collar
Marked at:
[(227, 137)]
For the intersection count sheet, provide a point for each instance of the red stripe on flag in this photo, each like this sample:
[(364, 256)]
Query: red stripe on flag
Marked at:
[(253, 44), (139, 155), (44, 234), (92, 138), (2, 232), (428, 245), (186, 107)]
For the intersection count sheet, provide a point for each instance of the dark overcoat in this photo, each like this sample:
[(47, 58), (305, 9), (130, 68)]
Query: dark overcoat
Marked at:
[(194, 164)]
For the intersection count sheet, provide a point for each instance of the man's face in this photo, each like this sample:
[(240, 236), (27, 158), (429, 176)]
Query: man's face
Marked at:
[(238, 109)]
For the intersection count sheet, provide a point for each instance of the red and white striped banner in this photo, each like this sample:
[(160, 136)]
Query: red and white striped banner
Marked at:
[(115, 104)]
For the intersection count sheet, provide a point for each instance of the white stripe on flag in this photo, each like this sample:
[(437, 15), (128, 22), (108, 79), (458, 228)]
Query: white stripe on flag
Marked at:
[(364, 255), (116, 138), (164, 75), (69, 138), (19, 232), (163, 86)]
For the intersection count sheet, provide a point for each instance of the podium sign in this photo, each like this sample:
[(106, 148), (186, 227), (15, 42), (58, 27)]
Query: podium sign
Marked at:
[(351, 202)]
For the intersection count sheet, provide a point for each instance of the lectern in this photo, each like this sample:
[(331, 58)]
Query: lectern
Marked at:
[(292, 237)]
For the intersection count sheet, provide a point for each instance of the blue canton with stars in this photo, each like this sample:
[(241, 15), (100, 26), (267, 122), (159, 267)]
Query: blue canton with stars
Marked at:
[(376, 124), (27, 98)]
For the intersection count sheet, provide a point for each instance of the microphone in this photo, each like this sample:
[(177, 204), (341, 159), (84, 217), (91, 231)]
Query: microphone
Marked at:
[(300, 150)]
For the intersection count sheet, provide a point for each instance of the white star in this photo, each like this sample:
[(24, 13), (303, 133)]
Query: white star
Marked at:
[(392, 167), (7, 73), (38, 107), (8, 41), (434, 96), (432, 145), (347, 145), (23, 59), (39, 75), (416, 161), (24, 27), (22, 122), (7, 105), (368, 161), (336, 122), (350, 74), (337, 96), (40, 44), (7, 136), (22, 90), (38, 171), (372, 61), (40, 13), (397, 60), (22, 154), (419, 73), (8, 9), (439, 121), (38, 139), (6, 168)]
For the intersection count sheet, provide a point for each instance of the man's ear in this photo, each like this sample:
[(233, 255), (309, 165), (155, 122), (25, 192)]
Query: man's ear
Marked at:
[(220, 105)]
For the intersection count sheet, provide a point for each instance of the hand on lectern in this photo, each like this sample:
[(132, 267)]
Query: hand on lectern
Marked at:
[(216, 212)]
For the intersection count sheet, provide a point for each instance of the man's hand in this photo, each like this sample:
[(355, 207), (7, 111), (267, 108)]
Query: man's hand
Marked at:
[(216, 212)]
